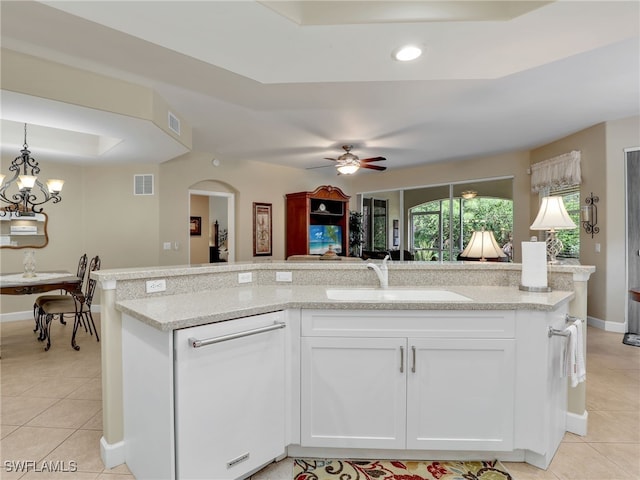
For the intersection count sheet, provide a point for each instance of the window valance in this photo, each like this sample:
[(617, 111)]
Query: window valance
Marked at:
[(560, 171)]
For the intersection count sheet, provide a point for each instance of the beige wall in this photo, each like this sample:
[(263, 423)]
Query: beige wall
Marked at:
[(98, 215), (602, 151), (591, 143), (253, 182)]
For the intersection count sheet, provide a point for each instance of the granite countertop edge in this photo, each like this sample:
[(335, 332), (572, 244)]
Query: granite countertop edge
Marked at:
[(173, 312), (217, 268)]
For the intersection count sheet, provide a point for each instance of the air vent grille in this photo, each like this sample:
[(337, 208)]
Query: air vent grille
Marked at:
[(174, 123), (143, 184)]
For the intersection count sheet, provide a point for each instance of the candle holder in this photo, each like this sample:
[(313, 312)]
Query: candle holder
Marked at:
[(589, 215)]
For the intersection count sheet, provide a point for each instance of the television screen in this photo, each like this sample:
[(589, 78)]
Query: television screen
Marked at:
[(321, 236)]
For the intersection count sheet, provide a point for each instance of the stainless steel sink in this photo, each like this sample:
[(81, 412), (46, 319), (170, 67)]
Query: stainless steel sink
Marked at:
[(395, 294)]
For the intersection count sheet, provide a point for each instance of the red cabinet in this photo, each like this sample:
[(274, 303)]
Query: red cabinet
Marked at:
[(316, 220)]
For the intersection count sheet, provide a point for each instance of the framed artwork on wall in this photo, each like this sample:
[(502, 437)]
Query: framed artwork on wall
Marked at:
[(195, 226), (262, 229)]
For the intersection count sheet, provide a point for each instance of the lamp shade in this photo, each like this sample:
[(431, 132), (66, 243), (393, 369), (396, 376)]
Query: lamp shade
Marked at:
[(348, 168), (552, 215), (482, 245)]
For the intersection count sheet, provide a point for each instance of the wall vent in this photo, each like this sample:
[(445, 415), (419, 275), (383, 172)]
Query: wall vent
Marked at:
[(174, 123), (143, 184)]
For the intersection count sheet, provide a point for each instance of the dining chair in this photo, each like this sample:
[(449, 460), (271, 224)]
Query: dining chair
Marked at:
[(37, 313), (78, 305)]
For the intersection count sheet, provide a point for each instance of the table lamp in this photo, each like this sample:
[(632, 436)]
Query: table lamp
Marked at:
[(482, 245), (552, 216)]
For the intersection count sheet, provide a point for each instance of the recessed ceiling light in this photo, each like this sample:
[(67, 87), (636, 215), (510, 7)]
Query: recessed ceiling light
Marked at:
[(407, 53)]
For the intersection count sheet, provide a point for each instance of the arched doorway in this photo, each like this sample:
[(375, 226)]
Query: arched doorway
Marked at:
[(212, 215)]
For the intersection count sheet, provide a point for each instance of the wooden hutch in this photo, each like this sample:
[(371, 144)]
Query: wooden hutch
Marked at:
[(326, 206)]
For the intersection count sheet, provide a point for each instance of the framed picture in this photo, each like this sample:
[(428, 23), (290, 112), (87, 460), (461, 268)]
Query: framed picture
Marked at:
[(195, 226), (262, 229)]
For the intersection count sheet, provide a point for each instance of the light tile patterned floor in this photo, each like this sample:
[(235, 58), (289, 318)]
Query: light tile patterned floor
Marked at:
[(51, 411)]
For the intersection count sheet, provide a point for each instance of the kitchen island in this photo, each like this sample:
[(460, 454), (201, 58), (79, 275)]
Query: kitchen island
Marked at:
[(209, 295)]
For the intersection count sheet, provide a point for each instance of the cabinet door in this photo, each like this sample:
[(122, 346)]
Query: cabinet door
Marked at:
[(460, 394), (229, 399), (353, 392)]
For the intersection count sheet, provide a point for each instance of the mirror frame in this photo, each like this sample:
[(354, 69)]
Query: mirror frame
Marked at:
[(46, 237)]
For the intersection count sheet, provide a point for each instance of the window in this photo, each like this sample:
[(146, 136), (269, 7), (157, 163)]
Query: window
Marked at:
[(375, 224), (429, 225), (570, 238)]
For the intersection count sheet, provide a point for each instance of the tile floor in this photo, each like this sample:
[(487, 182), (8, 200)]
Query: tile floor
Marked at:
[(51, 412)]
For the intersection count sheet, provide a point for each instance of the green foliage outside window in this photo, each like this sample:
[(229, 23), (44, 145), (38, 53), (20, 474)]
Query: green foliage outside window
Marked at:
[(570, 238), (430, 225)]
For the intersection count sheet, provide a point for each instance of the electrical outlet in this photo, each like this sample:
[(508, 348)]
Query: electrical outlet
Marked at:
[(284, 277), (245, 277), (166, 246), (154, 286)]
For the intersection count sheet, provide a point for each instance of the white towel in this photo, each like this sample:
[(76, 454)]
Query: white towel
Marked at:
[(573, 362), (581, 369), (569, 360)]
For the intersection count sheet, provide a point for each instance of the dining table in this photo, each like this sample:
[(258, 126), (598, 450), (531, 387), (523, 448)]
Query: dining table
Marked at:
[(42, 282)]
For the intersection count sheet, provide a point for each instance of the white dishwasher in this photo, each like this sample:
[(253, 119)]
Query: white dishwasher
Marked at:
[(229, 397)]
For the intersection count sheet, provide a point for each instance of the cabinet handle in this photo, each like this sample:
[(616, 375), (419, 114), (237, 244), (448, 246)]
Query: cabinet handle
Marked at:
[(401, 359), (196, 343), (413, 365)]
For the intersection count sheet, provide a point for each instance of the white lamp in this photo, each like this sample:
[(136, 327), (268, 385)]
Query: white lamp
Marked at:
[(552, 216), (482, 245)]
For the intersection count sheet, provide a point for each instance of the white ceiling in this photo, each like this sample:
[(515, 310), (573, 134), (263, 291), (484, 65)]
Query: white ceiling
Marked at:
[(290, 82)]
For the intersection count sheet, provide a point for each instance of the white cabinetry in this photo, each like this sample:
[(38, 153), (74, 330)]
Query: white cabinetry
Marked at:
[(460, 394), (353, 392), (408, 380)]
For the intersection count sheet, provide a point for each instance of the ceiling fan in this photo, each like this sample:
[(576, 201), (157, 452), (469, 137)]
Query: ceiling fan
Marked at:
[(348, 163)]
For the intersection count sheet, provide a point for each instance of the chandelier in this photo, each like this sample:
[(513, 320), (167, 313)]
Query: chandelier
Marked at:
[(23, 192)]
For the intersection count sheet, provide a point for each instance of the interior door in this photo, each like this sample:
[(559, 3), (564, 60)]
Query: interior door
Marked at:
[(633, 237)]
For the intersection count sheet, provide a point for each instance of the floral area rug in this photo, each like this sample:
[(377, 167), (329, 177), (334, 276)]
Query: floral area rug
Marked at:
[(314, 469)]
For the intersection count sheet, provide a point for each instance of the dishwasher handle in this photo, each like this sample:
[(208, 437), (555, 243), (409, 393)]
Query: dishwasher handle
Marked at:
[(196, 343)]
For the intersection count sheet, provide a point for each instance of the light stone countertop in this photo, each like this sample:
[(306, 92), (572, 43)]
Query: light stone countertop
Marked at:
[(172, 312), (272, 265)]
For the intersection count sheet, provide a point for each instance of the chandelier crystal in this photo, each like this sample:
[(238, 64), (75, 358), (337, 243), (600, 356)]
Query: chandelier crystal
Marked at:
[(23, 193)]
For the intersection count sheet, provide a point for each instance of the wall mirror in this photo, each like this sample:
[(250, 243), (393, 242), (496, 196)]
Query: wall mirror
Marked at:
[(23, 231), (434, 223)]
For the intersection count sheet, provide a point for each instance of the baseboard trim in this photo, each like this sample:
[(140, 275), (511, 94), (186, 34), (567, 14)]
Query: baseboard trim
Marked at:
[(616, 327), (16, 316), (28, 315), (577, 423), (112, 454)]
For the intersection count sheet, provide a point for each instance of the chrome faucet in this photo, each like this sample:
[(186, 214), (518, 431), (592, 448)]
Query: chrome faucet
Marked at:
[(382, 272)]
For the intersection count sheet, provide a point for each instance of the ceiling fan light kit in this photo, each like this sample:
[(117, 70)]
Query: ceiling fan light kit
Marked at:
[(348, 163), (348, 169)]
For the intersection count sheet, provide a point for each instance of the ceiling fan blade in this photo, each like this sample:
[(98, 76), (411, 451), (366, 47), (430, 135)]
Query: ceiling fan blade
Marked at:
[(320, 166), (373, 159), (332, 159), (373, 167)]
